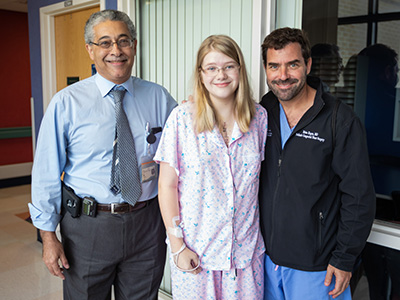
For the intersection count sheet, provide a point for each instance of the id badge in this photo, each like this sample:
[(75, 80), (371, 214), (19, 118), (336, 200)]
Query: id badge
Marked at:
[(148, 168)]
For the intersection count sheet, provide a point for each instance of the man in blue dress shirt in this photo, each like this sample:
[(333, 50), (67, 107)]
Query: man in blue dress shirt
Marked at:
[(115, 243)]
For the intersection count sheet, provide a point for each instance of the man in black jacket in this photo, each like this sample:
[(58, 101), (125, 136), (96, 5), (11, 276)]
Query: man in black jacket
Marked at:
[(317, 201)]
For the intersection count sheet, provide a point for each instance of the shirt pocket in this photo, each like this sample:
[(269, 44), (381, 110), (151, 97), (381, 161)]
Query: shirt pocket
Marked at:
[(154, 146)]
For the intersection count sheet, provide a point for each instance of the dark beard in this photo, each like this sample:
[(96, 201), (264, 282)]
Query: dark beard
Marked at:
[(290, 93)]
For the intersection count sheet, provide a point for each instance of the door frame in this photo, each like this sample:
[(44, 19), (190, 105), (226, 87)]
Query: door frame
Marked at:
[(47, 42)]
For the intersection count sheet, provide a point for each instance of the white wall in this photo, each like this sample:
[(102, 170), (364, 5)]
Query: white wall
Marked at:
[(171, 31)]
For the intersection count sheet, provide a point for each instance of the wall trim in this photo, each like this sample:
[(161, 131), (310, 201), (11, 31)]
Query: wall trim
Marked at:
[(15, 132), (15, 170), (163, 296), (385, 234), (263, 24), (47, 42), (32, 102), (129, 7)]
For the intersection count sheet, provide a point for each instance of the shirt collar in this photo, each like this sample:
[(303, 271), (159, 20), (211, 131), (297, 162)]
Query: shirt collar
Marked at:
[(105, 86)]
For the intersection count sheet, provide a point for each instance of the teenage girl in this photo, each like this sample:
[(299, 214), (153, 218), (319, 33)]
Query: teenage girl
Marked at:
[(210, 155)]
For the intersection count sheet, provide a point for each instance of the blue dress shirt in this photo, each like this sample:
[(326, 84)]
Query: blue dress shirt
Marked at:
[(76, 137)]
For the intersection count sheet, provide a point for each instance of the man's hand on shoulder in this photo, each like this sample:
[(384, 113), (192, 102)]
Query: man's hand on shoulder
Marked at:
[(190, 99), (53, 252), (342, 279)]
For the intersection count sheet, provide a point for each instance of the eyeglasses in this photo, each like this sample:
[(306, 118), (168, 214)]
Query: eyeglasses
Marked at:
[(229, 69), (108, 44)]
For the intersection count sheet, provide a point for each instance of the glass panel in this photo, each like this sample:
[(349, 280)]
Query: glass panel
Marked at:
[(388, 6), (351, 40), (369, 86), (389, 34), (384, 138), (327, 64), (349, 8), (378, 74)]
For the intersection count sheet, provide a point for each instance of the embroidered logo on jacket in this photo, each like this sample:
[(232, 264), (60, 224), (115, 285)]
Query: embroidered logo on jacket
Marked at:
[(305, 134)]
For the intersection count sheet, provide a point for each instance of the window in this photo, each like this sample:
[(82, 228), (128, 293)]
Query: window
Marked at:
[(365, 36)]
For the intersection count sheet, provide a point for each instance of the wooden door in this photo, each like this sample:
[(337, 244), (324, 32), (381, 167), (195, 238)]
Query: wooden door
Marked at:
[(72, 60)]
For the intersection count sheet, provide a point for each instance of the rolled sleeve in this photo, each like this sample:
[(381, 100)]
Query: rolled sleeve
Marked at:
[(50, 159)]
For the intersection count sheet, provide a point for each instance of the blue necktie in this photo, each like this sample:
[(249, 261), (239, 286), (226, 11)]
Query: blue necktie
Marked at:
[(124, 172)]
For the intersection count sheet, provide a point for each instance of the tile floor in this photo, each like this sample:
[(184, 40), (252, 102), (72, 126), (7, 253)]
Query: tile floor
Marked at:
[(23, 276)]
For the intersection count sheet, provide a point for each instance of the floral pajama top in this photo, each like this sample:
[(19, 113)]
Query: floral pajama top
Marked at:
[(217, 187)]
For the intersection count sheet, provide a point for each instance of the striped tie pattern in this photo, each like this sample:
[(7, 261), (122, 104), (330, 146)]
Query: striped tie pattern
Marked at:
[(124, 171)]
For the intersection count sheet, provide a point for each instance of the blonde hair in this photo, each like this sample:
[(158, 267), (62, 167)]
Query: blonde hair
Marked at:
[(206, 117)]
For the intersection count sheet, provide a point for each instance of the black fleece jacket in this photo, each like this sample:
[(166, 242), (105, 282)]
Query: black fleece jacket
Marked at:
[(317, 201)]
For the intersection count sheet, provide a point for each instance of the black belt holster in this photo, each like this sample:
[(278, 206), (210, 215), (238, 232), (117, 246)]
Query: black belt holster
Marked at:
[(73, 204)]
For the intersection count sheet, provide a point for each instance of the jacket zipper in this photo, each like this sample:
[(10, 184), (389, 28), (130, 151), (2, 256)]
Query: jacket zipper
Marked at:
[(274, 200), (320, 222)]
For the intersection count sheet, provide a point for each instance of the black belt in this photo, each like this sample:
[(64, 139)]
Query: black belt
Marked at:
[(77, 206)]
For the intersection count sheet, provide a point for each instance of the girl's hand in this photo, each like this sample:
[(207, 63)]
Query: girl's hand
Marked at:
[(187, 261)]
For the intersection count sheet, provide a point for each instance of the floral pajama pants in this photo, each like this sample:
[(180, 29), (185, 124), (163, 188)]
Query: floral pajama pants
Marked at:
[(234, 284)]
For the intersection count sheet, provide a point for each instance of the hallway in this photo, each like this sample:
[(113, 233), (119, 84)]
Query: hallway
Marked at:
[(23, 275)]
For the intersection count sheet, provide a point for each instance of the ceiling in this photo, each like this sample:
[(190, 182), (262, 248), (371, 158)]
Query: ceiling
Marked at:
[(14, 5)]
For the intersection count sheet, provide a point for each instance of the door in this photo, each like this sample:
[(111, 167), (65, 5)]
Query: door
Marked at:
[(72, 60)]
